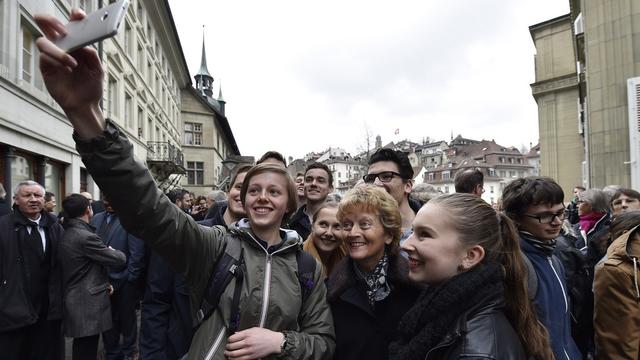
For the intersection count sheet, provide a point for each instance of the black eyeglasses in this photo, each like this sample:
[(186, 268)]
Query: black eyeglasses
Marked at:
[(547, 218), (384, 177)]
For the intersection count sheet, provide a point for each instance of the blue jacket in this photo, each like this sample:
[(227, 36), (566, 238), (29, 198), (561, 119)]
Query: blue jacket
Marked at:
[(118, 238), (552, 302)]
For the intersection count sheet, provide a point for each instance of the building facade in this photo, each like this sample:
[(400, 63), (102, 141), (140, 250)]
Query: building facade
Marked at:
[(208, 139), (145, 70), (584, 62)]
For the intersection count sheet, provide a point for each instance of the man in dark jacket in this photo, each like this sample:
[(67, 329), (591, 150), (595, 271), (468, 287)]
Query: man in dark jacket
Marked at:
[(30, 294), (125, 284), (318, 183), (83, 257), (535, 204)]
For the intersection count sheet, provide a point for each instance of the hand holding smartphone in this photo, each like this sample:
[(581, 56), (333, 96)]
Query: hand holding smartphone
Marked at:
[(99, 25)]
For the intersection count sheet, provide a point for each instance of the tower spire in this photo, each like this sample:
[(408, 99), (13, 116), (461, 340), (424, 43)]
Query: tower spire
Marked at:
[(204, 80)]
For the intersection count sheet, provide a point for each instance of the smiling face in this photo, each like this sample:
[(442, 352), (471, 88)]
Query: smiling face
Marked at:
[(435, 252), (30, 200), (266, 200), (327, 233), (300, 185), (396, 187), (544, 232), (235, 203), (365, 238), (316, 185)]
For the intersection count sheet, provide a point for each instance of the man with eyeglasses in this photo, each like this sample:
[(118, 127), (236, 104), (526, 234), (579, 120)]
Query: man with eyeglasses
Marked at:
[(392, 170), (536, 206)]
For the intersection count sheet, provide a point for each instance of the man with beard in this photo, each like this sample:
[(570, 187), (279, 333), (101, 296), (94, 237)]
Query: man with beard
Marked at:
[(30, 292), (318, 183)]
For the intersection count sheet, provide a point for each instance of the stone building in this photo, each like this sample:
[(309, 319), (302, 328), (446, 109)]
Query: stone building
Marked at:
[(145, 70), (208, 139), (584, 63), (499, 165)]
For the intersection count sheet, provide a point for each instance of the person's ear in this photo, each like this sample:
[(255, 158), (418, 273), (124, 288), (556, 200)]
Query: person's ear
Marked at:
[(472, 257)]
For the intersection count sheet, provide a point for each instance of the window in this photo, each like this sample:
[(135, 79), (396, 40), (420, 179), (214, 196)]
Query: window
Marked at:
[(431, 176), (29, 72), (446, 189), (501, 159), (150, 74), (157, 138), (128, 111), (446, 175), (86, 5), (492, 172), (491, 189), (127, 39), (140, 57), (112, 96), (192, 133), (512, 173), (503, 173), (140, 122), (195, 172)]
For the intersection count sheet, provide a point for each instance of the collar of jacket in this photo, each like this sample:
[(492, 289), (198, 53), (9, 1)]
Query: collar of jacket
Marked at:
[(77, 223), (242, 228), (343, 284), (45, 221), (544, 247)]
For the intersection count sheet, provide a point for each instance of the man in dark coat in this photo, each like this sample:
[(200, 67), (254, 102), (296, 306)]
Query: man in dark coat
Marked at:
[(83, 257), (30, 294), (125, 284)]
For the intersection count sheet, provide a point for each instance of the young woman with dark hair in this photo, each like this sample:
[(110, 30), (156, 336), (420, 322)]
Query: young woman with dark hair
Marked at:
[(477, 302)]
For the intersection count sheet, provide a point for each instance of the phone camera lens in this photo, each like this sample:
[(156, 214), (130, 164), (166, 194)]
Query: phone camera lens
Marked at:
[(105, 16)]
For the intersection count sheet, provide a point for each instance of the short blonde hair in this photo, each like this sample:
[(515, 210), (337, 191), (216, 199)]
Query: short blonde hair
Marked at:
[(373, 199)]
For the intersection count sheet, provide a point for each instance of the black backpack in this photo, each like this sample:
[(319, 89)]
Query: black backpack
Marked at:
[(230, 265)]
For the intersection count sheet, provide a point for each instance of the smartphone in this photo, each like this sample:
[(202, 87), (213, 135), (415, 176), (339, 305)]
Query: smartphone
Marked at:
[(99, 25)]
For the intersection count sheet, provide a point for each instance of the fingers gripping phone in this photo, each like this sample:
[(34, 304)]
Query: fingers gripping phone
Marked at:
[(98, 25)]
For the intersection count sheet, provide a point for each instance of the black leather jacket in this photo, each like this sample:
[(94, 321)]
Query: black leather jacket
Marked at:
[(474, 335)]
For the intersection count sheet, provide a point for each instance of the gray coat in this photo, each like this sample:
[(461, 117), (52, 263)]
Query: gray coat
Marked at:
[(83, 257)]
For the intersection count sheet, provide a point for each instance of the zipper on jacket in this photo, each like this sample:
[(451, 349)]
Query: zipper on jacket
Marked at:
[(266, 285), (447, 342), (564, 295), (216, 344), (265, 291)]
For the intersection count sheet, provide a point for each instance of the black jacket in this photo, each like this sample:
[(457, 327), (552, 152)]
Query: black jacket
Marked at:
[(462, 318), (16, 309), (363, 332), (83, 257), (300, 222), (5, 208)]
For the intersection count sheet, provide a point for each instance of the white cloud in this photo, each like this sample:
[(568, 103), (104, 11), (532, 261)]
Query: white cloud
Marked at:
[(300, 76)]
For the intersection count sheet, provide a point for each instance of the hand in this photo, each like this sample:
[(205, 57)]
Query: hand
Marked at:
[(73, 80), (253, 343), (109, 289)]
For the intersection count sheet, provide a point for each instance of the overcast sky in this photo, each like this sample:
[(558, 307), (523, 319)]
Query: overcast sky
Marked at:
[(300, 76)]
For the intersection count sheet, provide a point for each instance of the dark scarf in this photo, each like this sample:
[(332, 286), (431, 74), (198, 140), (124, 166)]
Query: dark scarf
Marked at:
[(375, 282), (439, 307), (545, 246)]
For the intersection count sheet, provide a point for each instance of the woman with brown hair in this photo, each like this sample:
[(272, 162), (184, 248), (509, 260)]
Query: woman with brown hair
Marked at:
[(325, 241), (369, 290), (477, 301)]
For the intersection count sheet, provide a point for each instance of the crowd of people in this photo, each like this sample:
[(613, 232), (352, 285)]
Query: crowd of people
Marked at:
[(281, 267)]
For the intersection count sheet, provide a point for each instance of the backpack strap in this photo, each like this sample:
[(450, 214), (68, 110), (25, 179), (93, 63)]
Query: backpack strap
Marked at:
[(306, 272), (224, 271), (532, 278)]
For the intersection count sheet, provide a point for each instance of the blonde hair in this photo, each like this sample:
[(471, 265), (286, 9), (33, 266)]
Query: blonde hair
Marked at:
[(373, 199)]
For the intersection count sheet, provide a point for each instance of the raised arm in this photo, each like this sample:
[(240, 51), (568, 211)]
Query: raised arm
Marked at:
[(75, 83)]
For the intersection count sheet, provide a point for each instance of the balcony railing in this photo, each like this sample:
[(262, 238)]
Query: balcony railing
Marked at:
[(164, 152)]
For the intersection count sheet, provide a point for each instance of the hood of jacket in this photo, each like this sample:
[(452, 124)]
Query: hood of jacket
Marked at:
[(242, 227)]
